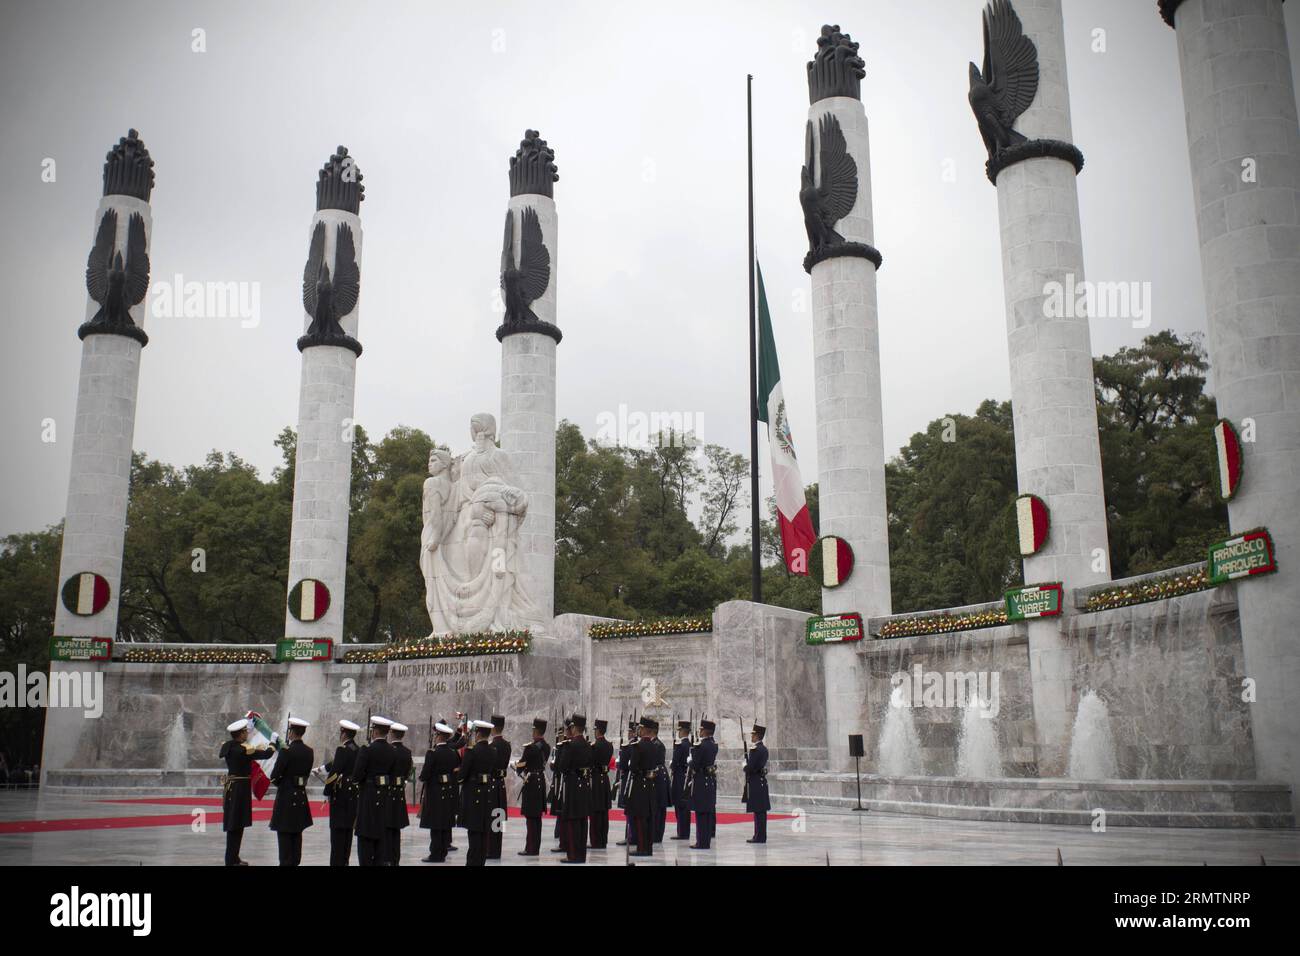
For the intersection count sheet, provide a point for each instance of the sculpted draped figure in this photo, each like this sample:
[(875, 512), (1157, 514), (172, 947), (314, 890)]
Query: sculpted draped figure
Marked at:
[(470, 541)]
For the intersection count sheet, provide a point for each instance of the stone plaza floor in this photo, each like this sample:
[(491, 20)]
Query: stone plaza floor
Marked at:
[(46, 829)]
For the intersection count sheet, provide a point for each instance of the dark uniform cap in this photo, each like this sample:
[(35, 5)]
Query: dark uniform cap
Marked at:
[(650, 724), (498, 722), (683, 725), (579, 721), (758, 729), (602, 725), (539, 725), (708, 725)]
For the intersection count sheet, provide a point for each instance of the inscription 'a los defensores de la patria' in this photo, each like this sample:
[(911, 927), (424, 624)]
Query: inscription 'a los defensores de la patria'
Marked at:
[(463, 673)]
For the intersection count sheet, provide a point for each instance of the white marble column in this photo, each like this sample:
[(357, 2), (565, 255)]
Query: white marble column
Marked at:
[(527, 429), (94, 528), (1244, 146), (1053, 398), (850, 431), (322, 487)]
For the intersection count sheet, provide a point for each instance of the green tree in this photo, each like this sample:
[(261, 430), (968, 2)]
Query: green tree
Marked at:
[(725, 494), (29, 585), (385, 589), (951, 494), (1157, 450), (595, 518), (205, 555)]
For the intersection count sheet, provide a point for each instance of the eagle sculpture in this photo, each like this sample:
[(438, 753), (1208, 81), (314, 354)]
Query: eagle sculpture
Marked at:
[(328, 298), (1009, 81), (828, 199), (523, 285), (116, 283)]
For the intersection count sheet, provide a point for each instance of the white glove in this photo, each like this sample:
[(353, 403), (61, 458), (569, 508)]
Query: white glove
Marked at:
[(275, 736)]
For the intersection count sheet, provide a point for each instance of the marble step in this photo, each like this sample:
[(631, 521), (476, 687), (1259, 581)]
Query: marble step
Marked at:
[(1169, 803)]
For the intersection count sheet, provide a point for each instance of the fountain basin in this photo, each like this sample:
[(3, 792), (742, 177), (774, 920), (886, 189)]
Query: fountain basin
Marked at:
[(1057, 801)]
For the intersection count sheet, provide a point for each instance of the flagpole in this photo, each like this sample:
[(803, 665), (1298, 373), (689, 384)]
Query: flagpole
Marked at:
[(756, 577)]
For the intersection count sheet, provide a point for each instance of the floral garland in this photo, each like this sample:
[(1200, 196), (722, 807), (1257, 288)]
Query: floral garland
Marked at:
[(1155, 589), (171, 655), (607, 630), (944, 623), (457, 645)]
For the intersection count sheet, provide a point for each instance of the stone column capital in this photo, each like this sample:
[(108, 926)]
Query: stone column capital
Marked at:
[(1034, 149)]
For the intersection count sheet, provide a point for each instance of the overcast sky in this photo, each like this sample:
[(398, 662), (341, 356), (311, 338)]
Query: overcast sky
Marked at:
[(645, 107)]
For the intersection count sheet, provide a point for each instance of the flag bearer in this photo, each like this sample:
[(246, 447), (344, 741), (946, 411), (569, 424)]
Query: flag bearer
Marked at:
[(237, 785)]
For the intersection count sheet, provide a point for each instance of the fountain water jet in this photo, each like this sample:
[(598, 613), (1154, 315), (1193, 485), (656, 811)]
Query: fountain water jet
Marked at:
[(1092, 745), (176, 756), (978, 757), (900, 747)]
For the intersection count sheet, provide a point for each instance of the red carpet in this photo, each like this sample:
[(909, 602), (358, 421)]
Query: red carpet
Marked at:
[(261, 812)]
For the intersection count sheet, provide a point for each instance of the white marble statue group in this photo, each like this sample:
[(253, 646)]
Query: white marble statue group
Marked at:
[(469, 545)]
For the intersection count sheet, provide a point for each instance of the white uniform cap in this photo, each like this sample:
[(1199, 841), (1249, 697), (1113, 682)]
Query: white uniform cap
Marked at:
[(298, 722), (348, 725), (381, 721), (443, 729), (482, 725), (400, 728), (243, 723)]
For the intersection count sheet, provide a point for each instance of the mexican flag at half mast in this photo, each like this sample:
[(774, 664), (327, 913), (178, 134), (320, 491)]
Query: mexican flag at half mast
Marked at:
[(797, 535)]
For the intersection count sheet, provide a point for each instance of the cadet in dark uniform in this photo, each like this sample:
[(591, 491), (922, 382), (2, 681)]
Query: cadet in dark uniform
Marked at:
[(237, 786), (399, 818), (557, 789), (531, 766), (573, 761), (704, 786), (622, 780), (663, 789), (439, 796), (341, 793), (373, 774), (478, 793), (501, 753), (756, 798), (292, 812), (680, 766), (641, 789), (602, 751)]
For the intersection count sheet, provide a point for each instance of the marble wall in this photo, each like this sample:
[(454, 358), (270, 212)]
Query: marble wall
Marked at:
[(174, 716), (753, 667), (170, 716), (1170, 673), (997, 656)]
